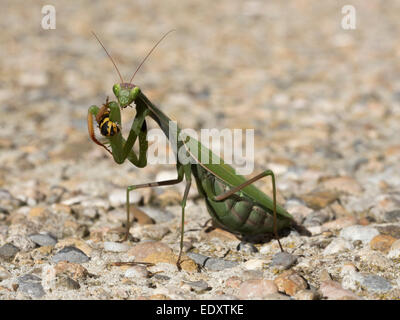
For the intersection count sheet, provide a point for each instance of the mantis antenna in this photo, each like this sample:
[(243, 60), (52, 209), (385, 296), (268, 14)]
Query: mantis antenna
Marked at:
[(112, 60), (145, 58)]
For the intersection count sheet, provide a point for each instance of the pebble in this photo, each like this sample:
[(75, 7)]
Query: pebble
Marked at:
[(298, 210), (116, 246), (246, 247), (257, 289), (8, 251), (357, 232), (339, 223), (233, 282), (370, 282), (157, 214), (223, 235), (31, 285), (117, 197), (212, 264), (276, 296), (142, 250), (73, 270), (70, 254), (391, 230), (319, 199), (343, 184), (198, 286), (254, 264), (67, 282), (392, 216), (336, 246), (4, 274), (137, 272), (333, 290), (382, 243), (75, 242), (283, 260), (43, 239), (375, 283), (394, 252), (187, 264), (290, 282), (305, 295)]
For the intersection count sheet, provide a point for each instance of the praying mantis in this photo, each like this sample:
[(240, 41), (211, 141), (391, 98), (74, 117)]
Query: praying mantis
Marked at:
[(233, 202)]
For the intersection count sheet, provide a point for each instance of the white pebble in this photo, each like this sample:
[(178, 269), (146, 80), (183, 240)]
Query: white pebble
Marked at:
[(116, 246), (337, 245), (358, 232)]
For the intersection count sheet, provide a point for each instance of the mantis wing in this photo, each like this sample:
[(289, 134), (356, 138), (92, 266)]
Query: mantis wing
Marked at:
[(227, 174)]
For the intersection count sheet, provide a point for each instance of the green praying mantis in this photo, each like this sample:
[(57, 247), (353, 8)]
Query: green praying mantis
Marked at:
[(233, 202)]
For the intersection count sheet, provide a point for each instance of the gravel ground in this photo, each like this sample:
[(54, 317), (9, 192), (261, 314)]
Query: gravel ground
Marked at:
[(325, 106)]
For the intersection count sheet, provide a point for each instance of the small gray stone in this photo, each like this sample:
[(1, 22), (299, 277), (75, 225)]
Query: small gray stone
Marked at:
[(70, 254), (198, 258), (8, 251), (283, 260), (246, 247), (31, 285), (67, 282), (392, 216), (214, 264), (375, 283), (358, 232), (43, 239), (199, 286)]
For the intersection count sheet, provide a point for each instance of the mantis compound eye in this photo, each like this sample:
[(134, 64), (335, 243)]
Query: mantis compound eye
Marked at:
[(116, 89)]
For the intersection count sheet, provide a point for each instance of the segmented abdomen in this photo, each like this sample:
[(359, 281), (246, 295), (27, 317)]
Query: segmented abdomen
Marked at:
[(238, 213), (107, 127)]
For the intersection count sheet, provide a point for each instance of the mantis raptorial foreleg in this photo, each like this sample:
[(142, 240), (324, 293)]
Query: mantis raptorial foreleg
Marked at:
[(266, 173)]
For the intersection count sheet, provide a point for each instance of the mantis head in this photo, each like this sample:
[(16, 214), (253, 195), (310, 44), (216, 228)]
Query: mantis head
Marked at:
[(125, 93)]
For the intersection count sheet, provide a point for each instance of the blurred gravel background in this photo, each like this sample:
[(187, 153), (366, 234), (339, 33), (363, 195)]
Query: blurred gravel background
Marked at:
[(325, 106)]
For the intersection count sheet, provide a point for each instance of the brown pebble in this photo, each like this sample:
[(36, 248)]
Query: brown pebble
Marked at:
[(382, 242), (343, 184), (143, 250), (290, 282), (75, 242), (339, 223), (305, 295), (233, 282), (324, 276), (319, 199), (333, 290), (220, 234), (257, 288), (38, 213), (74, 270), (187, 264)]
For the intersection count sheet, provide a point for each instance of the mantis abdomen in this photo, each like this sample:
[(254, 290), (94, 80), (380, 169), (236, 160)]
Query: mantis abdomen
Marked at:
[(238, 213)]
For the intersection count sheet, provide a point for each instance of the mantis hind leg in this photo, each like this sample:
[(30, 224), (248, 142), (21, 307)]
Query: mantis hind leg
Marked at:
[(185, 196), (266, 173)]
